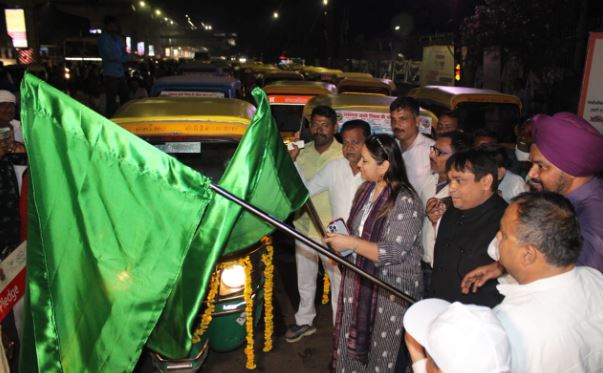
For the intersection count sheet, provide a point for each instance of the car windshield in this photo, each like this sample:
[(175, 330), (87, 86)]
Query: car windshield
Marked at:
[(209, 157), (498, 118)]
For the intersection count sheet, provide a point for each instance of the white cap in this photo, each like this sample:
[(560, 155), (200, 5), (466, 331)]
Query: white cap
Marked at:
[(460, 338), (7, 96)]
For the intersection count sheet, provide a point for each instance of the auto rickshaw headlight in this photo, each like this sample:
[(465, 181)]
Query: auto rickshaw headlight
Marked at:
[(232, 279)]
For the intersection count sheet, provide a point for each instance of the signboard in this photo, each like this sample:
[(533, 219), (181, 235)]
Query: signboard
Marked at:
[(15, 27), (288, 99), (380, 122), (591, 94), (140, 48), (128, 44), (437, 67), (12, 279)]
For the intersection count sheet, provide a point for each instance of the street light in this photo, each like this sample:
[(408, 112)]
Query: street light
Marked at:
[(275, 15), (397, 28), (142, 4), (325, 2), (165, 19), (158, 12)]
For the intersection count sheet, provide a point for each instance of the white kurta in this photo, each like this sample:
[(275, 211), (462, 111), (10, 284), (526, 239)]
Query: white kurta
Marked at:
[(416, 160), (555, 324)]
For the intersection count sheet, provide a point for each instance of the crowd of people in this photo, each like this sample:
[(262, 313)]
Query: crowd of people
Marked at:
[(505, 246)]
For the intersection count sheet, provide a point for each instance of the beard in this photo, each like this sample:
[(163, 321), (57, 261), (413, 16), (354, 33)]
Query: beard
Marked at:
[(561, 184)]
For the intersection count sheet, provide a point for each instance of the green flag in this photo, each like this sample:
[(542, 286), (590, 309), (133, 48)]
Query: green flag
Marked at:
[(261, 172), (111, 222)]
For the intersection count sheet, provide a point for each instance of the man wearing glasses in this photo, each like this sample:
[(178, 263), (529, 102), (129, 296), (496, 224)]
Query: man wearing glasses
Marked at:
[(434, 192)]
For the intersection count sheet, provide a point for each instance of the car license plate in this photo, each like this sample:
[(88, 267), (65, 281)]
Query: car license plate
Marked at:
[(180, 147)]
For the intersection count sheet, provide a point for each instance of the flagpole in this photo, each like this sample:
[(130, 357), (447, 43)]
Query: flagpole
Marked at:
[(309, 242)]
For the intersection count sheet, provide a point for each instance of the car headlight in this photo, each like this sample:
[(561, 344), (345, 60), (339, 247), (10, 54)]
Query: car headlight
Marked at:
[(232, 279)]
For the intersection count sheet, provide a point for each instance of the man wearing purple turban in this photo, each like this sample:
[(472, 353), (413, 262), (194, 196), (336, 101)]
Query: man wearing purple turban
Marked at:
[(566, 154)]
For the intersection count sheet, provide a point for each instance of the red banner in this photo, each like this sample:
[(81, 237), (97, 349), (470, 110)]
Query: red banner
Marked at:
[(288, 99), (12, 280)]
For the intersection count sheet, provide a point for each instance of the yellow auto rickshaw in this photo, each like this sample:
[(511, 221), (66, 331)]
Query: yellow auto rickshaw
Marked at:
[(204, 133), (476, 108), (287, 100), (365, 85)]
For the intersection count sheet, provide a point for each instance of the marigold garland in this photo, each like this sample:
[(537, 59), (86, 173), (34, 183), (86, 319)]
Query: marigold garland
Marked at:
[(326, 287), (267, 259), (210, 306), (247, 293)]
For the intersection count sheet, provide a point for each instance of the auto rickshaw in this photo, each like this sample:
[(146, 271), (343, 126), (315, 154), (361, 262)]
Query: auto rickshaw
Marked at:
[(203, 133), (197, 86), (476, 108), (198, 67), (287, 100), (268, 77), (371, 85), (322, 74), (356, 75), (373, 109)]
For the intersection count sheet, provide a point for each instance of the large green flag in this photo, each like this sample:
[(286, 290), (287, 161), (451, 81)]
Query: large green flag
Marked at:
[(261, 172), (111, 222), (114, 231)]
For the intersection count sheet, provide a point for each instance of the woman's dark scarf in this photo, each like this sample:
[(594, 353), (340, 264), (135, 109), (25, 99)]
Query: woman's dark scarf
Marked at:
[(364, 292)]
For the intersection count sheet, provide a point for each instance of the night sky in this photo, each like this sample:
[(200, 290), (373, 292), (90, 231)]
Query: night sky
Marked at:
[(301, 23)]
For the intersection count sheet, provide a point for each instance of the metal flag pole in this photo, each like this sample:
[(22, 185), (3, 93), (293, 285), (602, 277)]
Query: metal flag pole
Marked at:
[(309, 242)]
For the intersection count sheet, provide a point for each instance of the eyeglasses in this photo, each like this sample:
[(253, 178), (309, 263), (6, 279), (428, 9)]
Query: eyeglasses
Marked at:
[(437, 151)]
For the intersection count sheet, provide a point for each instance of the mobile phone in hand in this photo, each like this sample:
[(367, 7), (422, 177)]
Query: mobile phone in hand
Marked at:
[(338, 226)]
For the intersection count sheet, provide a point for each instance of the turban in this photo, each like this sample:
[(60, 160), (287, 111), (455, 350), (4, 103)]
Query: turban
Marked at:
[(569, 142), (7, 96)]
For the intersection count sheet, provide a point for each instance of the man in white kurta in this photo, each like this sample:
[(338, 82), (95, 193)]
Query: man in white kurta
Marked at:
[(415, 146), (435, 185), (341, 178), (552, 316)]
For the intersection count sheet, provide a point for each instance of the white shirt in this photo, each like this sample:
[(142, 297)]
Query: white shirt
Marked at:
[(17, 130), (416, 160), (336, 178), (555, 324), (428, 233), (512, 185)]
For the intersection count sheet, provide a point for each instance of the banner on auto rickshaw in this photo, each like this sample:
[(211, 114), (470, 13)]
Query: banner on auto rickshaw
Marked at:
[(12, 279), (379, 122), (591, 94)]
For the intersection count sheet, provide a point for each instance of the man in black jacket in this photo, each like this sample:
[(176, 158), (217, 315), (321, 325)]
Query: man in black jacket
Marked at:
[(467, 227)]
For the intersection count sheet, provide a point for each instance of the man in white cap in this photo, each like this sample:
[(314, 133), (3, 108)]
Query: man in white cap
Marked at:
[(455, 338), (7, 114)]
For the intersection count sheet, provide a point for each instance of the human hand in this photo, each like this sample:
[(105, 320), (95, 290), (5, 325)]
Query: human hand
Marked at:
[(435, 209), (415, 350), (340, 242), (294, 152), (479, 276)]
